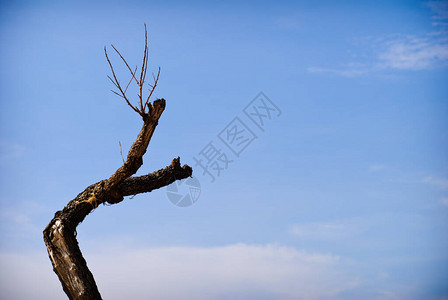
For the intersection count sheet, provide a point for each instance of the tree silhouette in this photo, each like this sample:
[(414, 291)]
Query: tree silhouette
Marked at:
[(60, 234)]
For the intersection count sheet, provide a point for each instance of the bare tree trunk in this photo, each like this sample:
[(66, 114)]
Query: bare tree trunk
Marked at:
[(60, 234)]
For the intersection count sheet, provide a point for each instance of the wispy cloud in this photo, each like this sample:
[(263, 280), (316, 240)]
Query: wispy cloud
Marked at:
[(377, 168), (440, 182), (19, 219), (288, 22), (444, 201), (345, 72), (237, 271), (10, 150), (414, 53), (335, 230), (440, 11), (402, 51)]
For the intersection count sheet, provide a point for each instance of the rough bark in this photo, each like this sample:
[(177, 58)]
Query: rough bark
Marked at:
[(60, 234)]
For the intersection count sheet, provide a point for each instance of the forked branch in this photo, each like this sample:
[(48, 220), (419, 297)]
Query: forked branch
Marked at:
[(143, 106), (60, 234)]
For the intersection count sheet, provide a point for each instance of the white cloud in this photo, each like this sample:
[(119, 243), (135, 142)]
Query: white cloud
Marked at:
[(444, 201), (288, 22), (414, 53), (347, 72), (402, 52), (335, 230), (10, 150), (28, 276), (238, 271), (19, 219), (440, 182), (440, 11), (377, 168)]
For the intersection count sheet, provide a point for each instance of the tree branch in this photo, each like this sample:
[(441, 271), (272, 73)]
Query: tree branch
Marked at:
[(158, 179), (134, 159), (117, 84), (153, 87), (60, 234), (142, 105)]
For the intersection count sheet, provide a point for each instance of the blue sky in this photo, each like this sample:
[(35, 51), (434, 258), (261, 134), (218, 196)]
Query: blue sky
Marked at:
[(344, 195)]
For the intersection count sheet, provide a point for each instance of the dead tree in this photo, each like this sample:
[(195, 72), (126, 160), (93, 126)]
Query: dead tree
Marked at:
[(60, 234)]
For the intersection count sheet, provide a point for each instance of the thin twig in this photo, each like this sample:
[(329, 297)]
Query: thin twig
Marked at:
[(156, 79), (121, 152), (143, 71), (126, 63), (142, 106), (147, 55), (119, 95), (133, 77), (117, 83)]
